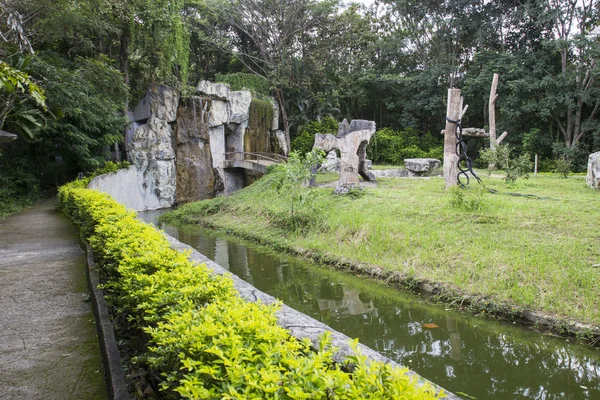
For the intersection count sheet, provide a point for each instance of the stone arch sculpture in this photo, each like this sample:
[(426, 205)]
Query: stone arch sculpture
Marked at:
[(351, 140)]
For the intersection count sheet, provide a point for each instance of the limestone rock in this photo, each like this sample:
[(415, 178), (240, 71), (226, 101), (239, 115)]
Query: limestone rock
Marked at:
[(239, 106), (275, 125), (331, 163), (278, 144), (352, 140), (390, 173), (196, 177), (218, 91), (593, 171), (234, 137), (282, 142), (217, 145), (163, 102), (151, 152), (219, 113), (421, 166)]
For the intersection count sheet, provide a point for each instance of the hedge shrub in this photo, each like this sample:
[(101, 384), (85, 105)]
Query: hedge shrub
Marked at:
[(304, 141), (388, 146), (200, 339)]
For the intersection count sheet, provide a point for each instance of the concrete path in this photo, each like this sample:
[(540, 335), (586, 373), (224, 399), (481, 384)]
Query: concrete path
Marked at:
[(48, 344)]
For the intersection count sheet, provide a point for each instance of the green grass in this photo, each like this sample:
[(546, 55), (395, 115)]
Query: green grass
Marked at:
[(534, 254)]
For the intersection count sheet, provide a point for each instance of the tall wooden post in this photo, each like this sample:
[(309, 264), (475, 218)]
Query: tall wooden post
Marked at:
[(492, 111), (453, 111)]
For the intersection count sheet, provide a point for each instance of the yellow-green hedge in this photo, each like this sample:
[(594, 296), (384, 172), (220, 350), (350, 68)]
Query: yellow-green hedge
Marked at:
[(203, 341)]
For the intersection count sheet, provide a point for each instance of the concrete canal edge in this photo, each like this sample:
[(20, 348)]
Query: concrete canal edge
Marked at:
[(298, 324), (111, 358)]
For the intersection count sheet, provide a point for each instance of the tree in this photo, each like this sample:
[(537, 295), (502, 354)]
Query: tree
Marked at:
[(268, 38), (576, 93), (11, 27)]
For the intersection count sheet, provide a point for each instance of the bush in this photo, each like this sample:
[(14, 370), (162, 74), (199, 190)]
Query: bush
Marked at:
[(199, 338), (19, 187), (304, 141), (562, 166), (501, 158), (392, 147), (240, 81)]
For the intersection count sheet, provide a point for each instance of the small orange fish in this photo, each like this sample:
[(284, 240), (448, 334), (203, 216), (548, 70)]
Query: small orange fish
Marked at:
[(430, 326)]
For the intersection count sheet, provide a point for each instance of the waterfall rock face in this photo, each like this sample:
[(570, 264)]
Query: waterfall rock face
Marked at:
[(197, 179), (593, 171), (178, 147), (151, 150), (239, 106), (163, 102), (217, 91)]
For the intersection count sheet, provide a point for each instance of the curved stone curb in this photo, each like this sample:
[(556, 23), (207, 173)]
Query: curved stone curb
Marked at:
[(111, 358), (298, 324)]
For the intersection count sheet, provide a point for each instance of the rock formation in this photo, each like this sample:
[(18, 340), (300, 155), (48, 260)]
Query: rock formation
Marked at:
[(178, 149), (151, 150), (197, 179), (421, 166), (593, 171), (351, 140)]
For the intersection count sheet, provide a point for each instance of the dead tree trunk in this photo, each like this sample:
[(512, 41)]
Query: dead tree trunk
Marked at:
[(492, 111), (453, 112), (492, 114)]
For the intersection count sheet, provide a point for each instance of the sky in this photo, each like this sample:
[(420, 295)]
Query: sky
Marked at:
[(365, 2)]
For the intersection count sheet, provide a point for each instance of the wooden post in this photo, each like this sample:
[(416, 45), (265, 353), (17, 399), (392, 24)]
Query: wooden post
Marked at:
[(535, 166), (492, 111), (453, 111)]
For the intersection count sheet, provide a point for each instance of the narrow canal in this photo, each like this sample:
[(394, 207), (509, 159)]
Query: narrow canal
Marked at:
[(473, 357)]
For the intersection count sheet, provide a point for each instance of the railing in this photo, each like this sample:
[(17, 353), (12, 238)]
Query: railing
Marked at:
[(254, 156)]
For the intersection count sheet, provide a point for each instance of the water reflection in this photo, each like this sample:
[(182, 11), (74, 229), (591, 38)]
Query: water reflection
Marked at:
[(483, 358)]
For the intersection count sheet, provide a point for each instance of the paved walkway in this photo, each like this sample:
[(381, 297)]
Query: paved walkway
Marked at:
[(48, 344)]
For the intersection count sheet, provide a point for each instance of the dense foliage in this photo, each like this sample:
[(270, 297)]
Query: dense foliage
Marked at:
[(71, 68), (240, 80), (200, 339), (304, 141), (392, 147)]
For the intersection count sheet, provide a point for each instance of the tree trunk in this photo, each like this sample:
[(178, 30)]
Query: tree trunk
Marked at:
[(453, 112), (492, 111)]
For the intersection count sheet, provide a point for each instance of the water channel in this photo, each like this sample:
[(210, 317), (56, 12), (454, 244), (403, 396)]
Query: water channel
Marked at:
[(473, 357)]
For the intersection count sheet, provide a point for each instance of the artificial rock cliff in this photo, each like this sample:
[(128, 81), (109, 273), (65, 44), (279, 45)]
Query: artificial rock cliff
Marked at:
[(178, 147)]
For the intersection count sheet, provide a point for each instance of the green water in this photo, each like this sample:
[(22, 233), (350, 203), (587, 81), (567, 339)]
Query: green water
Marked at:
[(465, 354)]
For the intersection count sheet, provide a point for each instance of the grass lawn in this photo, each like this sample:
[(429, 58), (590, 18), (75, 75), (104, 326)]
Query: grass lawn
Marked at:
[(539, 255)]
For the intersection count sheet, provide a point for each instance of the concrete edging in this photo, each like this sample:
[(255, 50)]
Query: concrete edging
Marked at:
[(111, 357), (298, 324)]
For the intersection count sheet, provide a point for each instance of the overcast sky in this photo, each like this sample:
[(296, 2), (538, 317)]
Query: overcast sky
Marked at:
[(366, 2)]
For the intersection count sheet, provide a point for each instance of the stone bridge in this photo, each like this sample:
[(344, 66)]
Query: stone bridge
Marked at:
[(258, 162), (241, 168)]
